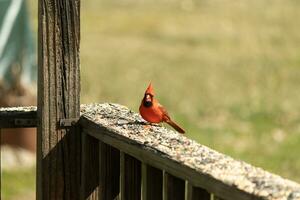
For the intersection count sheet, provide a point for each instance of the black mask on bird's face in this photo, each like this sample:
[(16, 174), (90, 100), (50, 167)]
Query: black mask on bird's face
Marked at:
[(147, 101)]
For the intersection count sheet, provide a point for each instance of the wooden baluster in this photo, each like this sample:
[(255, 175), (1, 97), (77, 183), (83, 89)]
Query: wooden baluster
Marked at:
[(196, 193), (151, 183), (122, 175), (130, 177), (109, 172), (173, 187), (90, 167), (217, 198)]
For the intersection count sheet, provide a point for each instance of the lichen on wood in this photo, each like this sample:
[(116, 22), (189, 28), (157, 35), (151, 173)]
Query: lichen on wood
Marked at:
[(12, 110), (120, 120), (18, 117)]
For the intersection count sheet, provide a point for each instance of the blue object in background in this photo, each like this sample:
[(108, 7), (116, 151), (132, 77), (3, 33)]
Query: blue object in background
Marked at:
[(17, 50)]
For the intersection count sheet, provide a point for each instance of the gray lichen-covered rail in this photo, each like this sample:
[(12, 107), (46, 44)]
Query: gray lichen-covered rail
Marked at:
[(14, 117), (182, 157), (169, 151)]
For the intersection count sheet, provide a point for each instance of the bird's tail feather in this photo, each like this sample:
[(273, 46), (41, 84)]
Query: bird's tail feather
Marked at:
[(175, 126)]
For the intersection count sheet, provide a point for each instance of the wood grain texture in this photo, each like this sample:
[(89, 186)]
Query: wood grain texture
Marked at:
[(58, 155), (203, 167), (152, 180), (89, 168), (109, 172)]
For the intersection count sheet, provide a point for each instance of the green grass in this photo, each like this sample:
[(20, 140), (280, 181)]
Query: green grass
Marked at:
[(227, 70), (18, 184)]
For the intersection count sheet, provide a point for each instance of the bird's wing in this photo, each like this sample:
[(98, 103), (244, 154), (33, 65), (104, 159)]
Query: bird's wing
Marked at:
[(165, 112)]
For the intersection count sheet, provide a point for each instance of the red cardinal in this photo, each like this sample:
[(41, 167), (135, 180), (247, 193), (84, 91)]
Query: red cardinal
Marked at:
[(153, 112)]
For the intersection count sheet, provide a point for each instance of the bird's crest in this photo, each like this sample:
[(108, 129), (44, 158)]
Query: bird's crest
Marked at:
[(150, 90)]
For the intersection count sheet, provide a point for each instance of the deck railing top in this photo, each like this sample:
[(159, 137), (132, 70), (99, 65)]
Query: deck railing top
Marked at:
[(167, 150), (209, 167), (14, 117)]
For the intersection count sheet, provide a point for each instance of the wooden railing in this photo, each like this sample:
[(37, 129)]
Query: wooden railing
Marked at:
[(110, 153), (124, 158)]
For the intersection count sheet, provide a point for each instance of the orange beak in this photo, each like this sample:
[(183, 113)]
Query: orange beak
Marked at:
[(150, 90)]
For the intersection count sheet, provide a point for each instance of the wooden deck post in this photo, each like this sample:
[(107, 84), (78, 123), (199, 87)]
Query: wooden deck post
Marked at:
[(58, 146)]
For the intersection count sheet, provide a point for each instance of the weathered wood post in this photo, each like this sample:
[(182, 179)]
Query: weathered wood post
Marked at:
[(59, 144)]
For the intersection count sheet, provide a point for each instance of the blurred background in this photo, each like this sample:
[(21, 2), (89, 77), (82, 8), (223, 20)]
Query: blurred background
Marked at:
[(18, 69), (227, 70)]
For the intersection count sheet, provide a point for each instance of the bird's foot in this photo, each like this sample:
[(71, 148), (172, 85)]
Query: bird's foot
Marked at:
[(156, 124), (148, 125)]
